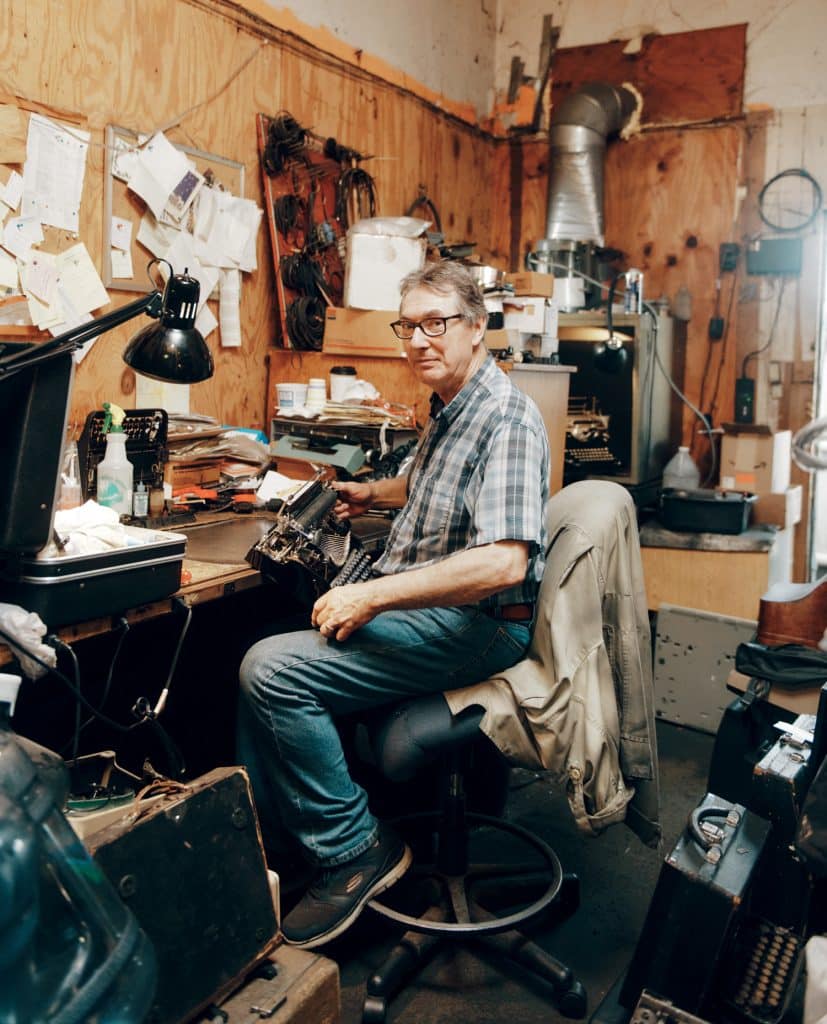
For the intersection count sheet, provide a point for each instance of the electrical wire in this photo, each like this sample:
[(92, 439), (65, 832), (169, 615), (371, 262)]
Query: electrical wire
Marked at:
[(791, 172), (648, 308), (355, 194), (768, 343), (305, 323), (123, 627)]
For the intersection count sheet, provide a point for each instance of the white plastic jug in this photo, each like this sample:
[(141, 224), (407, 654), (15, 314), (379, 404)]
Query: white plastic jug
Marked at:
[(681, 471)]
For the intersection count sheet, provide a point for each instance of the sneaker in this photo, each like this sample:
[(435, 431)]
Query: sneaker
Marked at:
[(338, 894)]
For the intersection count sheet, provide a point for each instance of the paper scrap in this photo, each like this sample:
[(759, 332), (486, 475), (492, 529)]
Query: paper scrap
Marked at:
[(120, 264), (53, 173), (12, 135), (79, 279), (182, 196), (8, 272), (39, 276), (20, 234), (158, 171), (155, 237), (120, 235), (205, 321), (12, 192), (161, 394), (229, 309), (275, 485)]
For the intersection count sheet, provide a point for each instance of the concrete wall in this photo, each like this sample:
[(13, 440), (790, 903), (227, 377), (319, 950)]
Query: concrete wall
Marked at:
[(447, 47)]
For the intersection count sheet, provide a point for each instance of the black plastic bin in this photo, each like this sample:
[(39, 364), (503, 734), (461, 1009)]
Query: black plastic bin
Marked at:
[(699, 511)]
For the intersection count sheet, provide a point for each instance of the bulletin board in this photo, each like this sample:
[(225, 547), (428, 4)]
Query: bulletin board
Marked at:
[(119, 201), (12, 156)]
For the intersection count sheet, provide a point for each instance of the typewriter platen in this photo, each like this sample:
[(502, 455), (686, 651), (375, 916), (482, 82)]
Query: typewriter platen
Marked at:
[(306, 532)]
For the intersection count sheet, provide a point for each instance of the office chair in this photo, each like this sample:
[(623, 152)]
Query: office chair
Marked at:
[(579, 704), (474, 896)]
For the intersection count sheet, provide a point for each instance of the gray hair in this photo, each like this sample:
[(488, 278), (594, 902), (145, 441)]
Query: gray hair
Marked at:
[(449, 278)]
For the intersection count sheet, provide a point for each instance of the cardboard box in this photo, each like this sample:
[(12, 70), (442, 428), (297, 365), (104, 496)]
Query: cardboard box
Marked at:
[(782, 510), (376, 265), (360, 332), (527, 314), (532, 282), (755, 459)]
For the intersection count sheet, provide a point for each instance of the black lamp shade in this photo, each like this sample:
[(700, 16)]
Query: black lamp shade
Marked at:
[(173, 349)]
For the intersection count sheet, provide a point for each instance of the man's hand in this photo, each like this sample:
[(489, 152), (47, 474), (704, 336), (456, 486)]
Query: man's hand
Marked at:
[(354, 498), (342, 610)]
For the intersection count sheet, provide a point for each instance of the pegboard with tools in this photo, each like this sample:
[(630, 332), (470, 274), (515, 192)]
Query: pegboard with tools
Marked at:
[(314, 189)]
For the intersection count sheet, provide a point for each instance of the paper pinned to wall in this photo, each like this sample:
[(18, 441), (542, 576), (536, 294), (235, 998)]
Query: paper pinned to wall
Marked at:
[(8, 272), (53, 173), (12, 192), (120, 262), (159, 170), (80, 280), (121, 237), (20, 234), (229, 309), (205, 321)]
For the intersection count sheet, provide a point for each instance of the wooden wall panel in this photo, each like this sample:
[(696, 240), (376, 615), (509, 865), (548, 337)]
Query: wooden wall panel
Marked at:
[(684, 76), (670, 202), (140, 63)]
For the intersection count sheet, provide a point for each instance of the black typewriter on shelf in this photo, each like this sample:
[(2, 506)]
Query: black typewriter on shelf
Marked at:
[(308, 533)]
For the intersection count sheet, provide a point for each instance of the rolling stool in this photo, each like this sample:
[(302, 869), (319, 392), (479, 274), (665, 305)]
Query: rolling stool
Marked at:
[(402, 742)]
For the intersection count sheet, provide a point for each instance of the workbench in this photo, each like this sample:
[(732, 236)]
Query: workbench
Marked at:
[(200, 582), (711, 572)]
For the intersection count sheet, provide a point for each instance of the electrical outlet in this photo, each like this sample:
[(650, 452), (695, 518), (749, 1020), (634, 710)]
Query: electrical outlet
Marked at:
[(728, 253)]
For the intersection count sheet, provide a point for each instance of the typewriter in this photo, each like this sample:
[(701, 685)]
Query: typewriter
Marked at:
[(306, 532)]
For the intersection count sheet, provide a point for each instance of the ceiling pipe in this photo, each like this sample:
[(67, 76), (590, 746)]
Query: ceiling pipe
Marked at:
[(579, 129)]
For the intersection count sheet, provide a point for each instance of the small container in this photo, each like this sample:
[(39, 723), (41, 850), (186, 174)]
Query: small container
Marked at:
[(140, 501), (156, 502), (681, 472), (316, 394), (69, 493), (341, 379), (291, 395)]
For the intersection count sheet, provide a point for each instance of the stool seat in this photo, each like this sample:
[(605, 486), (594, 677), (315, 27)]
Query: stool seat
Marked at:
[(460, 863)]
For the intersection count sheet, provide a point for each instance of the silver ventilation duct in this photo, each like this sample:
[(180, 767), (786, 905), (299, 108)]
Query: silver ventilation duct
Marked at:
[(579, 129)]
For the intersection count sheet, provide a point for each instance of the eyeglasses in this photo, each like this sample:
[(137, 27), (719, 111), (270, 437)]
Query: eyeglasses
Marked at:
[(431, 326)]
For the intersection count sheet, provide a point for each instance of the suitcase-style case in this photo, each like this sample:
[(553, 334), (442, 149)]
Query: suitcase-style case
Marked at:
[(701, 897), (191, 868)]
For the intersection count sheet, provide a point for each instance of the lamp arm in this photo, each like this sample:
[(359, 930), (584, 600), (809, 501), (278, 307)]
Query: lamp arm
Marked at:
[(151, 304)]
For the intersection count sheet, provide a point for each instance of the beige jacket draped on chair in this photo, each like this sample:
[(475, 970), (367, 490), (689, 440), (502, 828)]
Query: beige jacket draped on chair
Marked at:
[(581, 703)]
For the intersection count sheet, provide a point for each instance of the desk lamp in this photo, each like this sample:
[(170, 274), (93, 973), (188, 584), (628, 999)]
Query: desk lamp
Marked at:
[(171, 350)]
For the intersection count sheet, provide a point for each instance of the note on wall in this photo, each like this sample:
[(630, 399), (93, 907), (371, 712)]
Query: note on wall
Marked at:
[(53, 173)]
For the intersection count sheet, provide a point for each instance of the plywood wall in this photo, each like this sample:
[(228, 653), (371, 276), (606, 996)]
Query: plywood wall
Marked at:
[(141, 63)]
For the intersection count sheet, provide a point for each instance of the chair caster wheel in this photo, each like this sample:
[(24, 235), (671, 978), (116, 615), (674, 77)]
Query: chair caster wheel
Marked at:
[(573, 1003), (374, 1010)]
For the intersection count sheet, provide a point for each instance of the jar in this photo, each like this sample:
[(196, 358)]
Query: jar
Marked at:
[(316, 394), (341, 379)]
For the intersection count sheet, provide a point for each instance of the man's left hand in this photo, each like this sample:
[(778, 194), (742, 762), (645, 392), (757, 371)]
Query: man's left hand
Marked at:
[(342, 610)]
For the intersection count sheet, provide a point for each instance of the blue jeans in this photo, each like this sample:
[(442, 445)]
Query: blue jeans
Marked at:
[(294, 685)]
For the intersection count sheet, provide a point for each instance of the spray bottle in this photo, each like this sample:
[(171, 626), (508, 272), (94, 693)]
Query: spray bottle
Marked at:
[(115, 470)]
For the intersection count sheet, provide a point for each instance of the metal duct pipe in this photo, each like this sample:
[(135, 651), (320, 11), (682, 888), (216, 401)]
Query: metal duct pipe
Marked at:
[(579, 130)]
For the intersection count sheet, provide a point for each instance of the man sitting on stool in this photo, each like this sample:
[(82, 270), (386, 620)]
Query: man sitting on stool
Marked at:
[(452, 602)]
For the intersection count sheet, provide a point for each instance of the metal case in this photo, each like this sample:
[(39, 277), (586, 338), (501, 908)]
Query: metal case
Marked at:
[(66, 588)]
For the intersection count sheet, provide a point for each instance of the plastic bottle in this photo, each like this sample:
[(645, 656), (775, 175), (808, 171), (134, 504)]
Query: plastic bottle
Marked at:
[(115, 470), (70, 950), (681, 472), (69, 495), (140, 501)]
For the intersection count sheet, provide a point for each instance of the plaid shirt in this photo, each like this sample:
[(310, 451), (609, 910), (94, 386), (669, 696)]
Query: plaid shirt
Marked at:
[(480, 475)]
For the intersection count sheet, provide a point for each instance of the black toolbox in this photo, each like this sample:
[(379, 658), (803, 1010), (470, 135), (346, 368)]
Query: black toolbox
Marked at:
[(701, 511)]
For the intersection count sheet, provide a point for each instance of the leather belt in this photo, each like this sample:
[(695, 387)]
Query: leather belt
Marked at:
[(512, 612)]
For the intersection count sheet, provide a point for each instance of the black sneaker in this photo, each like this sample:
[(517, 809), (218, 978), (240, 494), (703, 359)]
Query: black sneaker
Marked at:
[(338, 895)]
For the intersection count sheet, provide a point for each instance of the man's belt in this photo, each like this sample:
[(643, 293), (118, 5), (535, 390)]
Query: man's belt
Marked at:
[(512, 612)]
